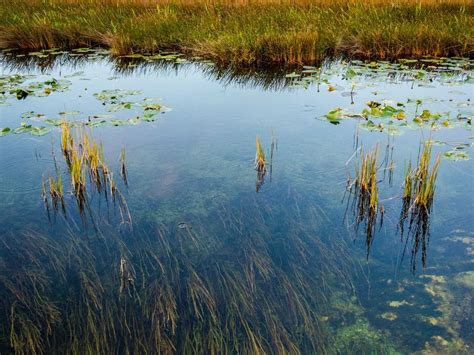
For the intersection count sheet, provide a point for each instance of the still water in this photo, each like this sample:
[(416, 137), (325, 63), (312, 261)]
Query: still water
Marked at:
[(189, 249)]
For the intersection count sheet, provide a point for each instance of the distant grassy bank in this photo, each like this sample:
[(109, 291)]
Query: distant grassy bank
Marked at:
[(245, 32)]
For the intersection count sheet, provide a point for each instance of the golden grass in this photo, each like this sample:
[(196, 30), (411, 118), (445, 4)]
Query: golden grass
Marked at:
[(418, 194), (259, 156), (424, 178), (245, 32), (366, 177)]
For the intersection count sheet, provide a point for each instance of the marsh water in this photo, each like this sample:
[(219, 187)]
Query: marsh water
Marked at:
[(194, 251)]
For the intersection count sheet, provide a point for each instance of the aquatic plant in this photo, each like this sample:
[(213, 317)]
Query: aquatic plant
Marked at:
[(418, 193), (364, 193), (424, 184), (259, 156), (66, 137), (84, 158), (56, 191), (260, 164)]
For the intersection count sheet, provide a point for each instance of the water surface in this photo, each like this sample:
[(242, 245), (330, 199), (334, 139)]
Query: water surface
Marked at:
[(209, 259)]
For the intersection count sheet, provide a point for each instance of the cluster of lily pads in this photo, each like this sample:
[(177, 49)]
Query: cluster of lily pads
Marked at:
[(391, 116), (20, 86), (51, 52), (95, 53), (421, 72)]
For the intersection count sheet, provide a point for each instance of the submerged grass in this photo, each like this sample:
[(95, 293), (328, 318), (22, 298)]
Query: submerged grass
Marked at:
[(241, 285), (245, 32)]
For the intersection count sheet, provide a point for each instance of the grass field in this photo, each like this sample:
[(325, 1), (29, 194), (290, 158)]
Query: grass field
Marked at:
[(245, 32)]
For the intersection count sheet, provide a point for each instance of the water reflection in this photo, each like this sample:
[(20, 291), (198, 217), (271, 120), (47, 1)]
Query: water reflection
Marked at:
[(268, 78), (266, 273)]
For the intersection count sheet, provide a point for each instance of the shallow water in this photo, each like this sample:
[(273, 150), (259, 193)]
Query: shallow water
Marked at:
[(287, 254)]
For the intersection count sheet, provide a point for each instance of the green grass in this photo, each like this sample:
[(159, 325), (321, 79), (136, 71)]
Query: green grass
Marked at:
[(252, 32)]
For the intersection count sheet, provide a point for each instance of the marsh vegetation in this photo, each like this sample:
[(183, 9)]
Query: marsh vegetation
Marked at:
[(299, 31)]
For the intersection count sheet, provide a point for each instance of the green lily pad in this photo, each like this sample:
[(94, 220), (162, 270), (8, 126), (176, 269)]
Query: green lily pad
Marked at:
[(21, 94), (155, 107), (98, 123), (334, 116), (39, 131), (120, 106), (5, 131), (69, 113), (456, 155), (23, 128), (53, 122)]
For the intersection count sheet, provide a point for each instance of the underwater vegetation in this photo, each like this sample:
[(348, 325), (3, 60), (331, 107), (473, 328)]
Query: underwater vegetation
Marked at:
[(418, 193), (234, 287), (244, 32)]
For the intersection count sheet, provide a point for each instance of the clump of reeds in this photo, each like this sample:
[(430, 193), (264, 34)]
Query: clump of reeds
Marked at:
[(66, 137), (425, 178), (364, 190), (418, 193), (84, 157), (56, 191)]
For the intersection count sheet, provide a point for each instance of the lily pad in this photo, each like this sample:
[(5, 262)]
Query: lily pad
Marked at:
[(39, 131), (456, 155), (23, 128), (5, 131)]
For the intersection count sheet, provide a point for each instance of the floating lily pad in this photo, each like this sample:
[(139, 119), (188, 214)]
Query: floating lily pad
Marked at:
[(23, 128), (21, 94), (120, 106), (5, 131), (456, 155), (39, 131), (52, 122)]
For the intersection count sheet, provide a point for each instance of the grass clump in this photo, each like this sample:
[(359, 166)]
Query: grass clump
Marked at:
[(425, 178), (418, 193), (86, 165), (364, 191), (245, 32)]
